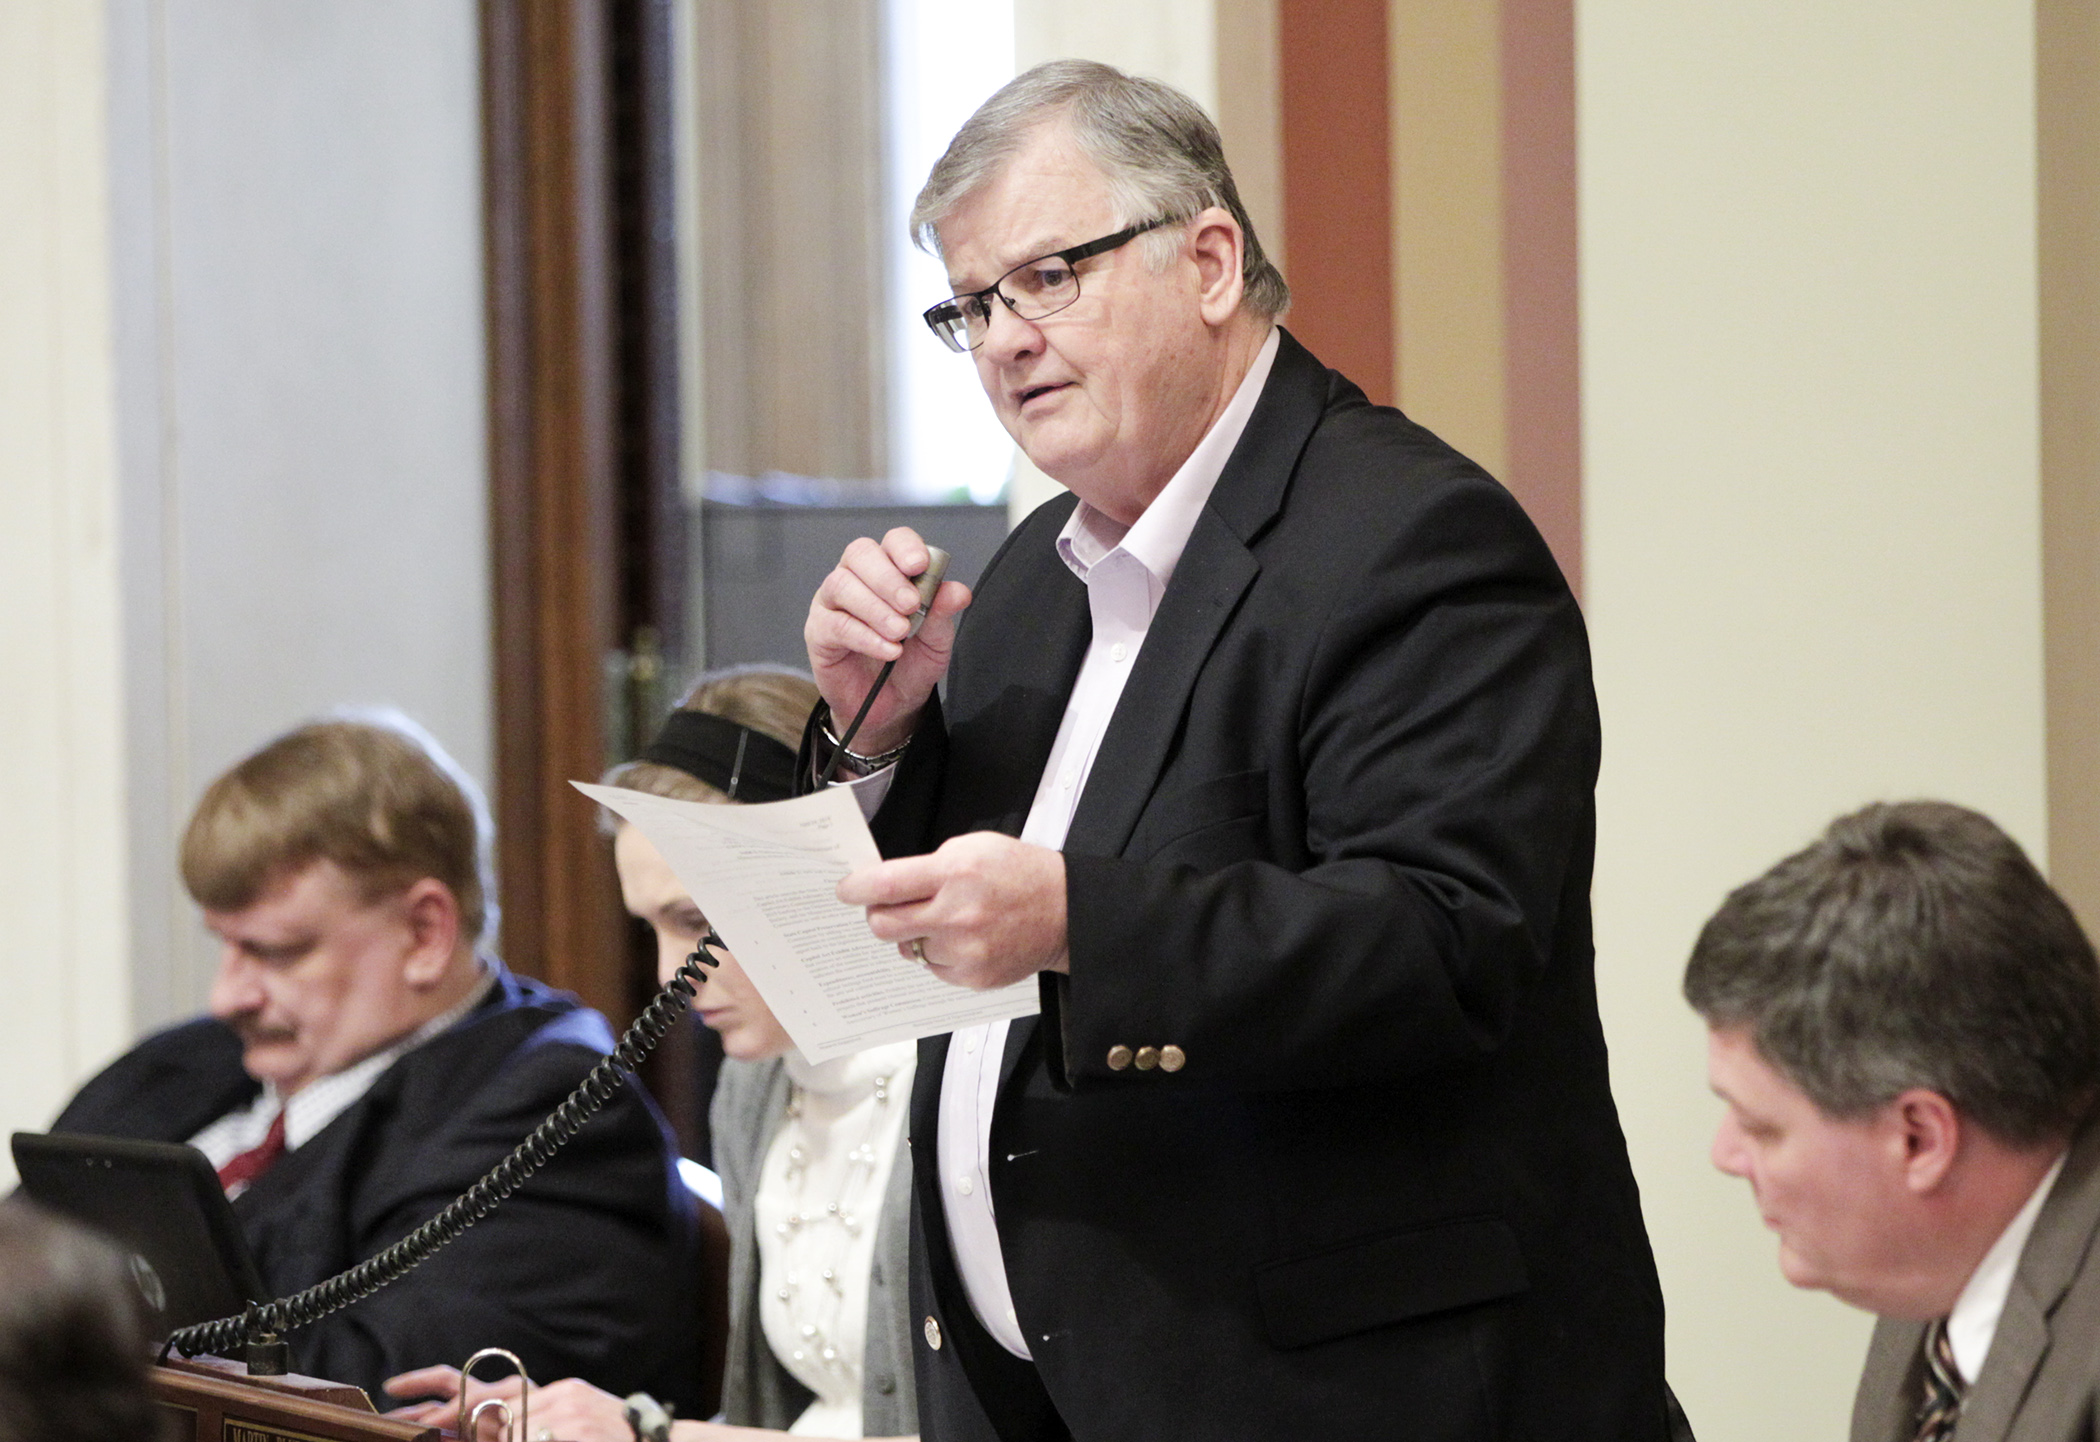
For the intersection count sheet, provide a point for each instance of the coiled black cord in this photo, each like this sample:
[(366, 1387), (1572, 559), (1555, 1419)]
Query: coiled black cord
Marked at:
[(305, 1308)]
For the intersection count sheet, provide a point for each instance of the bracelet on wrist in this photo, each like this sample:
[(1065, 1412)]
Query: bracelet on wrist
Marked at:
[(866, 765), (650, 1419)]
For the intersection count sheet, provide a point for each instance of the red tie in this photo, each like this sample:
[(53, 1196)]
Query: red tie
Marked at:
[(240, 1171)]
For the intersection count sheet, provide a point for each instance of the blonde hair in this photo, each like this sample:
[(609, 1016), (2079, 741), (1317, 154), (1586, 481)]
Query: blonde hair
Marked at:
[(774, 701), (372, 792)]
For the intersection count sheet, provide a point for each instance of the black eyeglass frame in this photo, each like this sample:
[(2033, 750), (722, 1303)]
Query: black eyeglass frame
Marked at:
[(941, 318)]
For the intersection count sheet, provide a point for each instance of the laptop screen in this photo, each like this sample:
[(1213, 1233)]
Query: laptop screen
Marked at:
[(161, 1202)]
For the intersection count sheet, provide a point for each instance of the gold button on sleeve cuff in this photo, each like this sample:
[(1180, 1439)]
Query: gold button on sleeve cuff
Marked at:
[(1118, 1057), (1147, 1058), (1172, 1058), (933, 1334)]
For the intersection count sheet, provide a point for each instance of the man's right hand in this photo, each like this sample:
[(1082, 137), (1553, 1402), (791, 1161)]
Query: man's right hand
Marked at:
[(859, 619)]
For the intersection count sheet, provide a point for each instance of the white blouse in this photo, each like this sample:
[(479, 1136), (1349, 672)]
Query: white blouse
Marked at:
[(819, 1199)]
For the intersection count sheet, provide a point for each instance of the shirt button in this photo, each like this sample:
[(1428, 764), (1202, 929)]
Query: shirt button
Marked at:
[(1119, 652), (970, 1043), (964, 1185)]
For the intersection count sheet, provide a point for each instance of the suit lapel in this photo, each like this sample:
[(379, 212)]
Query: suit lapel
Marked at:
[(1005, 712), (1890, 1384), (2055, 1253), (1214, 572), (1019, 1032)]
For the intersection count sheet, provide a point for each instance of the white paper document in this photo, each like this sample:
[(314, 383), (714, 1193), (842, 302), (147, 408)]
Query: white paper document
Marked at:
[(766, 877)]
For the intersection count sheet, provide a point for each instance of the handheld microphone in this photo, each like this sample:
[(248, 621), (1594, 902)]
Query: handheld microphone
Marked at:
[(927, 583)]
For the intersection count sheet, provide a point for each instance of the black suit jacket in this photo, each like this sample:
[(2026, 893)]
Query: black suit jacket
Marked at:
[(1336, 847), (582, 1272)]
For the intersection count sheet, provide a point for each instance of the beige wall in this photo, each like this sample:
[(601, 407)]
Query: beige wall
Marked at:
[(1445, 65), (62, 848), (241, 453), (296, 260), (1811, 534), (2067, 46)]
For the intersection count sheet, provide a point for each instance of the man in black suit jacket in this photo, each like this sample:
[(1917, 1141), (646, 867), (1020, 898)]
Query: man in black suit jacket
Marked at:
[(1313, 1136), (365, 1064)]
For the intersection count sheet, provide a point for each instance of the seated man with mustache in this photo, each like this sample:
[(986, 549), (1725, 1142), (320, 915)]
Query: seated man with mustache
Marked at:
[(367, 1059)]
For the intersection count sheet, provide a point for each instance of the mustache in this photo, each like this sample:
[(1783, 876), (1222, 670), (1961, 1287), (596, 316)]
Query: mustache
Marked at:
[(255, 1032)]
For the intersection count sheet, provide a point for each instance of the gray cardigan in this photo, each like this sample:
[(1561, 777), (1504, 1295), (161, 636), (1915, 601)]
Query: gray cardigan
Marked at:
[(750, 1101)]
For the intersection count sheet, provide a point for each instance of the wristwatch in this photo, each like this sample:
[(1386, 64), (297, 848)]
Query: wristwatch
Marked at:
[(650, 1419)]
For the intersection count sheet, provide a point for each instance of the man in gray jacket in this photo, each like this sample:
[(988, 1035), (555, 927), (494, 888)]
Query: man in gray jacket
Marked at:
[(1905, 1024)]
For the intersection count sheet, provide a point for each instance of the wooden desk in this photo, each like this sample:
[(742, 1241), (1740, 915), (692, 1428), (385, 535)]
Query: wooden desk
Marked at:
[(219, 1402)]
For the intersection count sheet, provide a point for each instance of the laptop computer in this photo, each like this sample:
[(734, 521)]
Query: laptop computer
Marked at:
[(159, 1201)]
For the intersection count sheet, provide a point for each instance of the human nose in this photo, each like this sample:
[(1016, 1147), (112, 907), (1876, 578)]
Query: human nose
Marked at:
[(671, 951), (1007, 334), (236, 990), (1728, 1153)]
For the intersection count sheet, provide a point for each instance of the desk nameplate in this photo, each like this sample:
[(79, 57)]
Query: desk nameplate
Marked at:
[(232, 1431)]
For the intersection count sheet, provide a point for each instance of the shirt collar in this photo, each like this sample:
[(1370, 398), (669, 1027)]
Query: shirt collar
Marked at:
[(1159, 536), (1974, 1320)]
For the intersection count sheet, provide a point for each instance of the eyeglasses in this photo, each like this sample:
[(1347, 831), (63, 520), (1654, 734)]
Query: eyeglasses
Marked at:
[(1031, 290)]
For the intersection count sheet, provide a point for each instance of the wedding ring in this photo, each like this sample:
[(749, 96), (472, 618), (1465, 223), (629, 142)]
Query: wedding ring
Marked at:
[(543, 1434), (918, 950)]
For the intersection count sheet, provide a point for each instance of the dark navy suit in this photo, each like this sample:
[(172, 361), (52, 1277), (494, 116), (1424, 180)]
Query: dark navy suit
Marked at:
[(584, 1272)]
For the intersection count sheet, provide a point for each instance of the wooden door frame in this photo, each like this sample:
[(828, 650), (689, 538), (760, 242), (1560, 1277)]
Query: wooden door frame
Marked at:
[(582, 396)]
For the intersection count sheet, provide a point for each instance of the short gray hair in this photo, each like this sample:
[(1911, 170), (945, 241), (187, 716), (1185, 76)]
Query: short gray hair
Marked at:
[(1912, 945), (1158, 151)]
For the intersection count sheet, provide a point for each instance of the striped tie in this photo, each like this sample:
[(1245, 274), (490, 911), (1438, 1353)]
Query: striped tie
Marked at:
[(1941, 1408)]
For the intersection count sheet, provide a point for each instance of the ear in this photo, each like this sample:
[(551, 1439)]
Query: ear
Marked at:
[(432, 912), (1928, 1131), (1217, 246)]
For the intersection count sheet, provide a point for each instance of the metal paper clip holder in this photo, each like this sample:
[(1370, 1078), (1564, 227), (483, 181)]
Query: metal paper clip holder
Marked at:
[(515, 1428)]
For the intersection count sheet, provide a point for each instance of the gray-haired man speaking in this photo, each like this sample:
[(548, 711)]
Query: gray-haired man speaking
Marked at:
[(1905, 1025), (1269, 750)]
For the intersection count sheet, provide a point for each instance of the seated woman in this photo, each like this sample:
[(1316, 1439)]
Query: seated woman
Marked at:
[(815, 1185)]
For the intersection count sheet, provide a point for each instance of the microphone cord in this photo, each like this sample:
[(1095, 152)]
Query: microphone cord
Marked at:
[(928, 585), (355, 1284), (831, 767)]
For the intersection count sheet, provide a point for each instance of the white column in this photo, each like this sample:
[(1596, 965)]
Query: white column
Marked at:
[(62, 845), (1811, 535)]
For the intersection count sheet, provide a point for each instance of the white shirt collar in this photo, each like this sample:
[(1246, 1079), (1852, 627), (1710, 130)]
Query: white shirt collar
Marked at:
[(1974, 1320), (1158, 537)]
